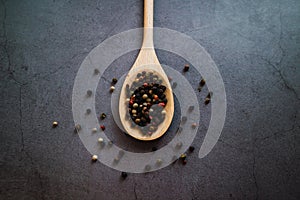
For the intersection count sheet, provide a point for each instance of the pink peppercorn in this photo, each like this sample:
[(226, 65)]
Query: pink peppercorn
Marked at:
[(102, 127)]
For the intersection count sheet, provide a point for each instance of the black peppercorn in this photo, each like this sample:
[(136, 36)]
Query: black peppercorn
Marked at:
[(191, 148), (202, 82), (186, 68), (124, 175), (114, 81), (103, 116), (207, 100)]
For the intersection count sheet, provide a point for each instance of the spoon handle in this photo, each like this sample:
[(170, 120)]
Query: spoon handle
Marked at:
[(148, 24)]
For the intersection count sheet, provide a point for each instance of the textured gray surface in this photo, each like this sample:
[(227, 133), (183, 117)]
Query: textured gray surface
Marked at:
[(254, 43)]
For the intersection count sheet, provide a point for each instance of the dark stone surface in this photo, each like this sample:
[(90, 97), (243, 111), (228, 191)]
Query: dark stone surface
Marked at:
[(254, 43)]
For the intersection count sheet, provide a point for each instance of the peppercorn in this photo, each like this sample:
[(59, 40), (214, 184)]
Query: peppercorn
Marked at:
[(191, 148), (186, 68), (103, 116), (94, 158), (184, 162), (102, 127), (88, 111), (202, 82), (100, 140), (77, 127), (159, 161), (135, 105), (183, 156), (94, 130), (154, 148), (145, 96), (54, 124), (114, 81), (112, 88), (89, 93), (124, 175), (194, 125), (96, 71), (191, 108), (207, 100)]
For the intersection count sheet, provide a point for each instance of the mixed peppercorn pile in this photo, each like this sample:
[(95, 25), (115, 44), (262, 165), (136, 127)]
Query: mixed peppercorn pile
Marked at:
[(147, 100)]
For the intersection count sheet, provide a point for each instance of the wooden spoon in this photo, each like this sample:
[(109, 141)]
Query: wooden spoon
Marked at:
[(146, 61)]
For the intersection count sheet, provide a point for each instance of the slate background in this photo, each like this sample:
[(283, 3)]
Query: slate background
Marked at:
[(255, 45)]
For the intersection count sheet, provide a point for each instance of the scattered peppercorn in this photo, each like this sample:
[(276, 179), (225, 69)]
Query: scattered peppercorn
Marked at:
[(100, 140), (194, 125), (207, 101), (88, 111), (191, 108), (158, 161), (202, 82), (114, 81), (54, 124), (191, 148), (96, 71), (124, 175), (89, 93), (112, 88), (186, 68), (103, 116), (94, 158), (184, 162), (183, 156), (94, 130), (208, 97), (154, 148), (77, 127), (102, 127)]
